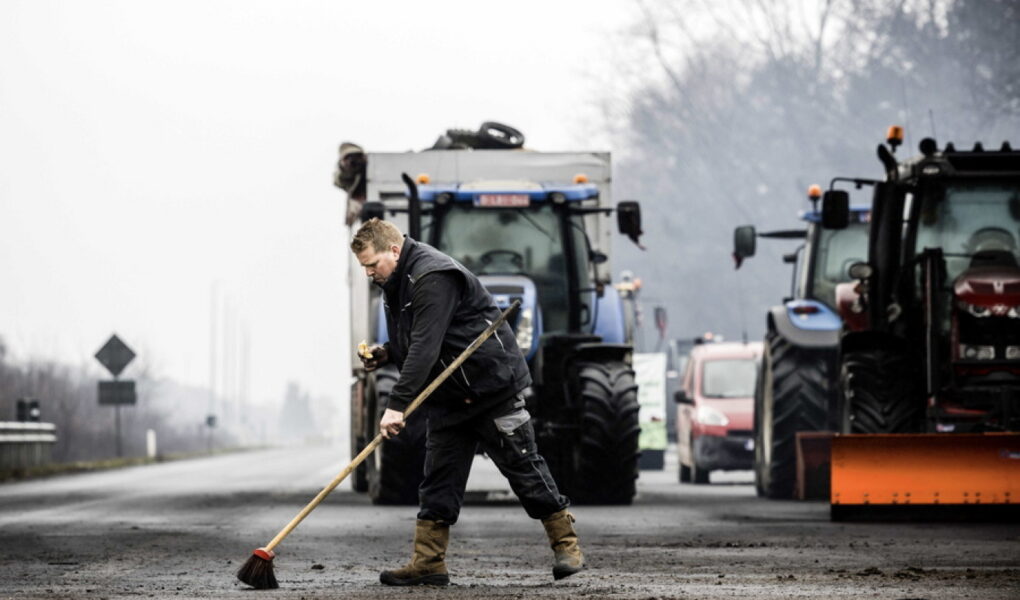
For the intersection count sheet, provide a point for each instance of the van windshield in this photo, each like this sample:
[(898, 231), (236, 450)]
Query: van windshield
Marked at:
[(729, 378)]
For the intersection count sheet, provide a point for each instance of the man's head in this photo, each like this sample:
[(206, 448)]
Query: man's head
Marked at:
[(377, 245)]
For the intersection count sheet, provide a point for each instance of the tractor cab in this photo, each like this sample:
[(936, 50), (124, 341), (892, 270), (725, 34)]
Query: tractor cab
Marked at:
[(528, 242), (940, 292)]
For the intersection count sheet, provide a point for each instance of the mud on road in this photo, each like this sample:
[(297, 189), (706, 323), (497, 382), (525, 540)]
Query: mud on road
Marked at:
[(158, 532)]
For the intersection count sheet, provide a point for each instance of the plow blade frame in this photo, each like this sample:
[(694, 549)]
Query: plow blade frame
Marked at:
[(926, 476)]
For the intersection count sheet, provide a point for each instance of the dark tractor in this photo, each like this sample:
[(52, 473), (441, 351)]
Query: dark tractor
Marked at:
[(932, 336)]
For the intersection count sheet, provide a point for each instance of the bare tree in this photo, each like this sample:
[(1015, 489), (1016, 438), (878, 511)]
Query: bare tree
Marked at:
[(731, 109)]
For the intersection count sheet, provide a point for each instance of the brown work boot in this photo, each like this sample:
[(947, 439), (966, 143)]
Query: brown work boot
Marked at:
[(427, 566), (563, 539)]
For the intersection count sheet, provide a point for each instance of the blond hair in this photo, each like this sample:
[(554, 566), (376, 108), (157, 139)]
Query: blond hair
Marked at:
[(377, 234)]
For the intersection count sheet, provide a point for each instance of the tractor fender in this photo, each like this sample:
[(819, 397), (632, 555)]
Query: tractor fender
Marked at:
[(382, 332), (816, 329), (601, 353), (857, 341), (610, 324)]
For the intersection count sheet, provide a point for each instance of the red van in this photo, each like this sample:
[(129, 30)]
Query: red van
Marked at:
[(715, 409)]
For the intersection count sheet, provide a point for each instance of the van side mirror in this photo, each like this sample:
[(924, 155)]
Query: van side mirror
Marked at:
[(681, 397), (836, 209), (628, 219)]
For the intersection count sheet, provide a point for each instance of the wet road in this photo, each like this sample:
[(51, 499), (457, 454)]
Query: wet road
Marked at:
[(181, 529)]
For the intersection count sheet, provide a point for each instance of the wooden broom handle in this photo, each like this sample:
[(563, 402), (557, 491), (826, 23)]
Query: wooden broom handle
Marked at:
[(367, 450)]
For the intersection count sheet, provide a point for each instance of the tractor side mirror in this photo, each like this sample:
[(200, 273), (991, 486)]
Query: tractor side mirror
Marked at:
[(744, 240), (859, 270), (836, 209), (681, 397), (373, 210), (628, 219)]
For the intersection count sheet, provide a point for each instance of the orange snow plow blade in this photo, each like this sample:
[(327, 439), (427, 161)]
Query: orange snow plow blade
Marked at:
[(942, 475)]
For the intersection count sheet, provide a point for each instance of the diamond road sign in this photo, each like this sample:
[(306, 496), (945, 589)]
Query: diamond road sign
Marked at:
[(115, 355)]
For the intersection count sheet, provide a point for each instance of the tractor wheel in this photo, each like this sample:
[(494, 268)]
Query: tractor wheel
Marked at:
[(880, 393), (397, 466), (359, 439), (792, 395), (607, 464)]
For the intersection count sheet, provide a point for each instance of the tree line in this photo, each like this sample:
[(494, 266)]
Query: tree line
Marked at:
[(727, 111)]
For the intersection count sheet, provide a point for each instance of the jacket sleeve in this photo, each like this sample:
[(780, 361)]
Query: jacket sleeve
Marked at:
[(433, 300)]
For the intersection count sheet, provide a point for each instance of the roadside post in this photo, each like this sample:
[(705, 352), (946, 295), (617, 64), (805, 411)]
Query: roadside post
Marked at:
[(115, 355), (210, 426)]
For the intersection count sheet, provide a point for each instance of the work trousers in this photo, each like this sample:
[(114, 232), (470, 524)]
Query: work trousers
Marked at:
[(507, 436)]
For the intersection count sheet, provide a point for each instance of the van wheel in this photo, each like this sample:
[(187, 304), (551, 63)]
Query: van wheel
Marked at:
[(685, 473), (698, 474)]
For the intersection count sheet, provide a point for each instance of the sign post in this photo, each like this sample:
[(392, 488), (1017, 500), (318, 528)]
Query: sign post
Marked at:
[(115, 355)]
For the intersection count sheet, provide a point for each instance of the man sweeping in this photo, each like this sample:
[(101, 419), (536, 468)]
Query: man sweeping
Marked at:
[(434, 309)]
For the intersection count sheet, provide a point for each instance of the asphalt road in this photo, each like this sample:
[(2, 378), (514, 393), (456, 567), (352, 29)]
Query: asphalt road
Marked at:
[(181, 530)]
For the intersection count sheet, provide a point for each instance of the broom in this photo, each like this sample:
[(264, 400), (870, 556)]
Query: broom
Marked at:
[(257, 571)]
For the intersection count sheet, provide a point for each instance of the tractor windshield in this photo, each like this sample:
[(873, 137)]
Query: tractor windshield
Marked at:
[(835, 251), (963, 219), (514, 241)]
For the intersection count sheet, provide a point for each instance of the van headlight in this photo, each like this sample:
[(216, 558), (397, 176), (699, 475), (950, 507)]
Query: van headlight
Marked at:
[(710, 416), (525, 330)]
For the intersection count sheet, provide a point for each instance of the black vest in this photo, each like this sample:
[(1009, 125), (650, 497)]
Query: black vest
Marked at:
[(496, 370)]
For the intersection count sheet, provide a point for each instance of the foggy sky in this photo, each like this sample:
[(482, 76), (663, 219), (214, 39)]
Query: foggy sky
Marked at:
[(152, 150)]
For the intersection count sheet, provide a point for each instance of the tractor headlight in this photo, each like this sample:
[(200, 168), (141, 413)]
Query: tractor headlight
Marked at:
[(999, 310), (525, 330), (978, 311), (974, 352), (710, 416), (1012, 352)]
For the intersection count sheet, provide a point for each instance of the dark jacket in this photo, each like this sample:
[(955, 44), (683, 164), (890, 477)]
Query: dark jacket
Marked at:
[(427, 291)]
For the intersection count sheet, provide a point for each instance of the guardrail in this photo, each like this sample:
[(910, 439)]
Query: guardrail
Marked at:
[(26, 444)]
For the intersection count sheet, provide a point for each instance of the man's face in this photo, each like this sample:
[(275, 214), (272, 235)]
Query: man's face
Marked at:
[(379, 265)]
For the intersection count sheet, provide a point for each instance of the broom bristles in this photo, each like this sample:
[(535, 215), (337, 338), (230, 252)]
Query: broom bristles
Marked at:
[(257, 571)]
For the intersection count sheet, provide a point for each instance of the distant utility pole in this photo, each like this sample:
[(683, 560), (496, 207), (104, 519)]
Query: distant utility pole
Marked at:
[(245, 368), (229, 361), (210, 418)]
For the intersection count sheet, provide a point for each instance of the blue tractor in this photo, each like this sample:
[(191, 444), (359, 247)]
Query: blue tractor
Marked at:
[(539, 243), (798, 379)]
